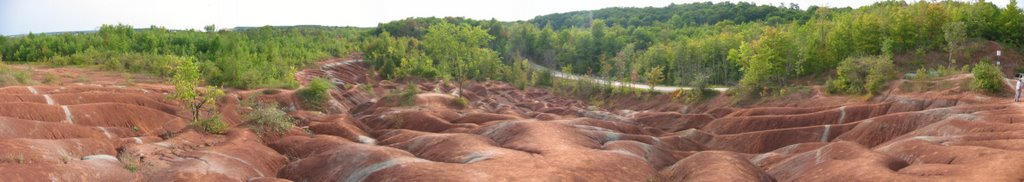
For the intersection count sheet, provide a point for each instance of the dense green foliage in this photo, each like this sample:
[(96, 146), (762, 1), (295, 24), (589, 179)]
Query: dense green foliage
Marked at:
[(185, 80), (447, 51), (705, 13), (243, 58), (987, 78), (316, 94), (759, 48), (865, 75)]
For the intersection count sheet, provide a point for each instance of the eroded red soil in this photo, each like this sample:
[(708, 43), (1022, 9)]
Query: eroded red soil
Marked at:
[(117, 133)]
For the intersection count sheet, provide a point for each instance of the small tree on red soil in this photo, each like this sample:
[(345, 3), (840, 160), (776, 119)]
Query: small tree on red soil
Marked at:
[(186, 80)]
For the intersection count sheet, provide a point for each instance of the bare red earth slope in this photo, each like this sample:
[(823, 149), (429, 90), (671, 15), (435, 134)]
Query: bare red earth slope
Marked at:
[(107, 133)]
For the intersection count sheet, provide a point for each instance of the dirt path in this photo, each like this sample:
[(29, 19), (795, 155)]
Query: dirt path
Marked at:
[(657, 88)]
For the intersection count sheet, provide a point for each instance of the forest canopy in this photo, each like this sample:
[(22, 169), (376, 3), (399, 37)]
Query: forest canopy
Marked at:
[(731, 44), (244, 58)]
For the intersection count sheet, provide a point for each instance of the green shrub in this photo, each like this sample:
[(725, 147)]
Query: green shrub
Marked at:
[(519, 75), (865, 75), (597, 100), (81, 79), (987, 78), (23, 77), (316, 94), (405, 96), (880, 72), (250, 101), (210, 125), (408, 95), (544, 78), (921, 74), (747, 95), (129, 80), (920, 82), (128, 162), (944, 71), (419, 65), (269, 119), (461, 102), (699, 85), (49, 78)]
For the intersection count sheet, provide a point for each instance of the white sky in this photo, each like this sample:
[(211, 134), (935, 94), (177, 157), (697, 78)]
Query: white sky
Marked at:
[(24, 16)]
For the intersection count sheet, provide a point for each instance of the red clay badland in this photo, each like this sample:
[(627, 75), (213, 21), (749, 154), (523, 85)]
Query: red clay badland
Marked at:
[(90, 131)]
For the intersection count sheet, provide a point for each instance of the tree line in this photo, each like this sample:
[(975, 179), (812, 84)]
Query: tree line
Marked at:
[(732, 44), (758, 47), (247, 58)]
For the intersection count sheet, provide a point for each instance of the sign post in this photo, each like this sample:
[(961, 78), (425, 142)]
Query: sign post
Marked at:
[(999, 53)]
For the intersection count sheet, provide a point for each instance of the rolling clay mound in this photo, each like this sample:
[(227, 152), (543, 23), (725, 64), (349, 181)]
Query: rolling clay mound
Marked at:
[(95, 133), (241, 157), (508, 134), (71, 89), (91, 98), (20, 128), (89, 168), (889, 140), (40, 151), (139, 118)]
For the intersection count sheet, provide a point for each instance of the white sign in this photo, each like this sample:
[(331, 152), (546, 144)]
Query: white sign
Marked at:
[(999, 53)]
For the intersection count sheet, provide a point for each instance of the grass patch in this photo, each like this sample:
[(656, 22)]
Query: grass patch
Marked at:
[(49, 78), (23, 77), (128, 161), (82, 79), (129, 80), (14, 158), (694, 96), (407, 97), (269, 119), (250, 101), (212, 125)]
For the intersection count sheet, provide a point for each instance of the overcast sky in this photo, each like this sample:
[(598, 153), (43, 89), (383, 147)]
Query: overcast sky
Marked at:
[(24, 16)]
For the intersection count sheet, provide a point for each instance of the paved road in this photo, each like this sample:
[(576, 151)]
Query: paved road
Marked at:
[(657, 88)]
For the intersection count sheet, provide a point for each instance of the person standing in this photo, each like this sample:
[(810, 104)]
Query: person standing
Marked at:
[(1020, 78)]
